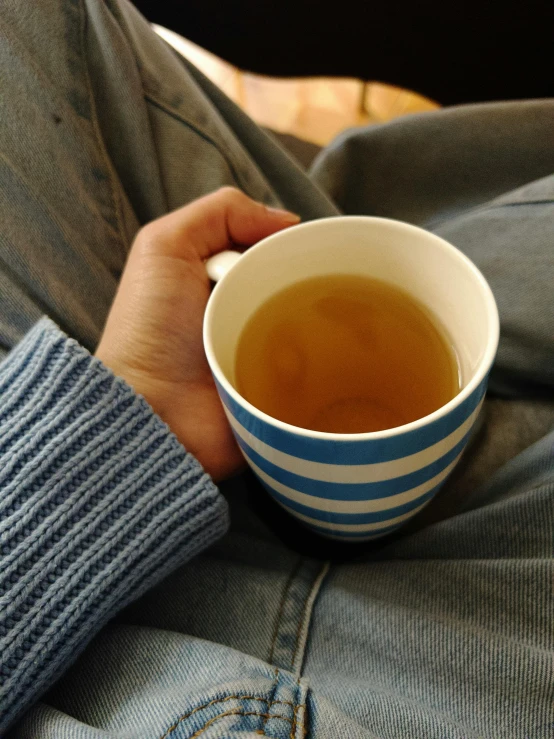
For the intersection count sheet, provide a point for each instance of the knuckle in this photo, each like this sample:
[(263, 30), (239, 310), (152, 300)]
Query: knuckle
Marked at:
[(229, 191), (147, 238), (231, 195)]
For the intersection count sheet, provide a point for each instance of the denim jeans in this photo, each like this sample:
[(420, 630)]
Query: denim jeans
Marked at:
[(444, 631)]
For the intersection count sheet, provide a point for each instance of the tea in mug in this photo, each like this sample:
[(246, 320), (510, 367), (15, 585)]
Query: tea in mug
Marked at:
[(345, 354)]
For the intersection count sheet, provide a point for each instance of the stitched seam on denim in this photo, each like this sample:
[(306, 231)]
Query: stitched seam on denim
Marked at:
[(164, 108), (99, 140), (115, 13), (272, 692), (236, 713), (286, 589), (223, 700), (294, 726), (307, 611)]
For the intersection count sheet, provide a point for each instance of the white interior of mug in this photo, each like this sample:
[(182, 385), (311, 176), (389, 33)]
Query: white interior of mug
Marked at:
[(424, 265)]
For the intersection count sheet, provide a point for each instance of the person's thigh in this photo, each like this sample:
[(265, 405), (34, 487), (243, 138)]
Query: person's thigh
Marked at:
[(426, 167), (104, 128), (446, 631), (62, 236)]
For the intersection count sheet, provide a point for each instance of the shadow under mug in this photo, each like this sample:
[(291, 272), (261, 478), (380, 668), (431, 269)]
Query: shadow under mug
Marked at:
[(356, 487)]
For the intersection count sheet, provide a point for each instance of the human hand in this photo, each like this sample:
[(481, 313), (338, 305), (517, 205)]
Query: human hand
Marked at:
[(153, 335)]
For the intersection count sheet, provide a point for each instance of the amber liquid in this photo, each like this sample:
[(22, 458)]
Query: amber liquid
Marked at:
[(345, 354)]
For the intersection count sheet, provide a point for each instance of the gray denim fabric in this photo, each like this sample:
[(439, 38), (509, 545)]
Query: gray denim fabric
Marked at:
[(445, 631)]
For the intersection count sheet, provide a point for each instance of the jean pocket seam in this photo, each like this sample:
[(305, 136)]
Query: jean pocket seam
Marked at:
[(160, 105), (239, 712), (235, 712)]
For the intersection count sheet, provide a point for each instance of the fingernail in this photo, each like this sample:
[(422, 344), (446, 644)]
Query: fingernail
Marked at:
[(284, 215)]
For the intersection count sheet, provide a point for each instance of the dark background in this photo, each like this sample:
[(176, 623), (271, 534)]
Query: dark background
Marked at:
[(470, 52)]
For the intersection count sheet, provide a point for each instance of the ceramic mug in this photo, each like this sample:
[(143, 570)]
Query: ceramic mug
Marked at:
[(354, 487)]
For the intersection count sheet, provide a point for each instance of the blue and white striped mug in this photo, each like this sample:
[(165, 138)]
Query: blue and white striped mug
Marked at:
[(354, 487)]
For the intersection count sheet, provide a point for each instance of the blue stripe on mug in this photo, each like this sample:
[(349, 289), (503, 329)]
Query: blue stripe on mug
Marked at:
[(353, 491), (371, 517), (351, 452), (356, 473), (353, 506), (331, 526)]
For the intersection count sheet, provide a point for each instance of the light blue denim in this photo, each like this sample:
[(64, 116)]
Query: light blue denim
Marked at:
[(445, 631)]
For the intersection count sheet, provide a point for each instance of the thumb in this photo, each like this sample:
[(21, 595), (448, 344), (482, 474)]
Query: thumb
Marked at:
[(222, 220)]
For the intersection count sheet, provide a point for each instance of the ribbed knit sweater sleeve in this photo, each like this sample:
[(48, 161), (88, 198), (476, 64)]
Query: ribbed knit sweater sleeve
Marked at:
[(98, 502)]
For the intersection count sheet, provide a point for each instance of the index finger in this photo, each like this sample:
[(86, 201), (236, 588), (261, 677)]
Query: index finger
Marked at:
[(221, 220)]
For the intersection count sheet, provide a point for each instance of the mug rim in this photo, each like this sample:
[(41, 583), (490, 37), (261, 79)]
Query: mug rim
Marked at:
[(477, 377)]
